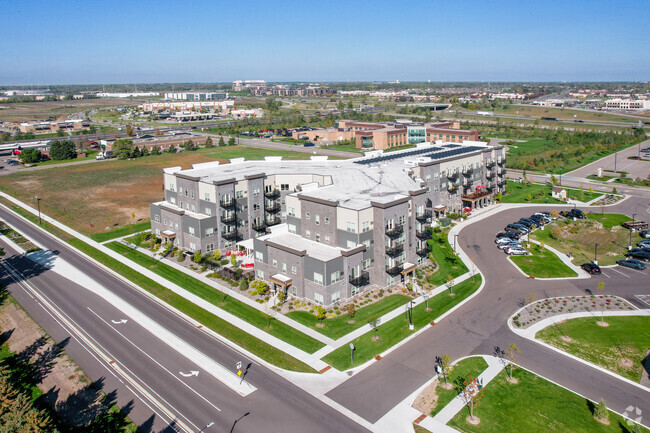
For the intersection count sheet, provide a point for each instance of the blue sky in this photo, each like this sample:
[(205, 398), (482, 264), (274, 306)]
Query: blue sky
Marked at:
[(47, 42)]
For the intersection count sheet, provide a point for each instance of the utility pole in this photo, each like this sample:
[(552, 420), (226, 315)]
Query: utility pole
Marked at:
[(38, 203)]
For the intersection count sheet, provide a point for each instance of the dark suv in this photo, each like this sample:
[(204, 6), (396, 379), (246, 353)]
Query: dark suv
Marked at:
[(592, 268)]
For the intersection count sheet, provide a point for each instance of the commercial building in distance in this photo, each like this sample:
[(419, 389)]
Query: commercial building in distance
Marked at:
[(325, 230), (627, 105), (198, 105), (387, 135), (49, 127), (195, 96)]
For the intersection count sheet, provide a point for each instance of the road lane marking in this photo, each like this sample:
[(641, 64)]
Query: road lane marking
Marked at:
[(68, 324), (622, 273), (155, 361)]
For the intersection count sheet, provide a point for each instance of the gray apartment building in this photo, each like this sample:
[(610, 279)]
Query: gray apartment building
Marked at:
[(324, 230)]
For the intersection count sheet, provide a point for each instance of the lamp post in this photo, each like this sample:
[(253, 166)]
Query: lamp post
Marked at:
[(351, 354), (38, 204), (596, 254), (631, 230), (411, 327)]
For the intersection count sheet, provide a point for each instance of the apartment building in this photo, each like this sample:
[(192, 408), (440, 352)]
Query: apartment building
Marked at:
[(325, 230), (627, 104)]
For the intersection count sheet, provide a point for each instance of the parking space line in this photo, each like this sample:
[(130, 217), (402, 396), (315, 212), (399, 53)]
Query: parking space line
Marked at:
[(622, 273), (605, 274)]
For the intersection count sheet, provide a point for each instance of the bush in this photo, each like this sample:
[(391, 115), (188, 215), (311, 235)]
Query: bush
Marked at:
[(259, 287), (600, 411), (198, 257), (30, 156), (243, 284), (60, 150)]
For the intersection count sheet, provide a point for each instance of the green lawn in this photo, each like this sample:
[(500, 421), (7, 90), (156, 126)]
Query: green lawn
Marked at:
[(625, 337), (579, 238), (518, 192), (216, 324), (245, 312), (443, 255), (343, 147), (542, 264), (462, 370), (122, 231), (397, 329), (337, 327), (534, 405), (90, 155)]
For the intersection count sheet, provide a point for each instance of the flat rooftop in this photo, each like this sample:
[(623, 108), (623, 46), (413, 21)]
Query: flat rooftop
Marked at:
[(354, 183), (316, 250)]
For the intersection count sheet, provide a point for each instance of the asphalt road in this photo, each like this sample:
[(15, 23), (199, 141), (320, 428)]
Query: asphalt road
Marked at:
[(480, 325), (619, 161), (276, 406)]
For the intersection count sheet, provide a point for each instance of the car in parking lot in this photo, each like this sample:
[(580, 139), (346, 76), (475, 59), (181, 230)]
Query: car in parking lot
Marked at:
[(506, 245), (592, 268), (516, 228), (630, 263), (308, 144), (639, 255), (644, 244), (13, 162), (644, 234), (511, 235), (516, 251), (504, 240)]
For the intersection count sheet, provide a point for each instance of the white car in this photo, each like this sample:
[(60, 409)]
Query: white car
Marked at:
[(504, 240), (516, 252), (510, 245)]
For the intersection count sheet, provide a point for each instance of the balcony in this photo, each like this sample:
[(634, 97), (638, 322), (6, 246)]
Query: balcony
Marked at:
[(272, 221), (231, 235), (500, 171), (452, 189), (422, 251), (394, 270), (423, 216), (227, 203), (272, 194), (395, 230), (453, 175), (362, 279), (490, 164), (272, 207), (468, 172), (259, 226), (423, 234), (501, 161), (489, 174), (228, 219), (394, 249)]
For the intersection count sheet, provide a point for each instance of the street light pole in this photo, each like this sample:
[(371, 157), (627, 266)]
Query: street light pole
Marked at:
[(596, 254), (351, 354), (411, 316), (631, 229), (38, 203)]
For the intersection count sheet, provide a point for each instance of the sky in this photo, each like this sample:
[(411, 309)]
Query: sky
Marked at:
[(116, 41)]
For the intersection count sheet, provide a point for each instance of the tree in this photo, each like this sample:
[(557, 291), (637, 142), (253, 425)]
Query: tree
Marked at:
[(321, 314), (340, 106), (614, 191), (129, 130), (216, 255), (374, 324), (60, 150), (512, 353), (272, 105), (221, 141), (30, 156), (231, 141), (600, 411), (208, 142), (471, 394), (350, 310), (189, 145), (122, 149), (450, 282), (445, 367), (233, 259), (198, 257)]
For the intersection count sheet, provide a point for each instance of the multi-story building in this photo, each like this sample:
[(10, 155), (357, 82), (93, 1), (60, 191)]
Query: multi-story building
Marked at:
[(195, 96), (324, 229), (627, 104), (49, 127)]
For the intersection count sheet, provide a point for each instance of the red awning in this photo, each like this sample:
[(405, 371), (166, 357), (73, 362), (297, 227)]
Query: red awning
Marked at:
[(480, 187)]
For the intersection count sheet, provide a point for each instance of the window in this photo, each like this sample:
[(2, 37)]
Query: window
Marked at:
[(192, 246), (256, 192), (335, 277), (190, 230), (192, 193), (172, 200), (402, 220), (284, 268), (336, 296), (307, 233), (355, 290), (294, 290), (389, 280), (209, 231), (427, 177), (367, 264), (367, 243), (275, 263), (171, 186), (209, 248), (327, 220), (317, 219), (207, 196), (351, 244), (208, 211), (291, 211), (294, 270), (186, 191), (259, 274), (365, 226), (318, 298), (240, 194), (180, 190), (307, 216), (352, 227), (157, 231), (256, 206), (157, 219), (291, 228), (259, 256), (284, 187), (327, 239), (193, 208), (318, 278)]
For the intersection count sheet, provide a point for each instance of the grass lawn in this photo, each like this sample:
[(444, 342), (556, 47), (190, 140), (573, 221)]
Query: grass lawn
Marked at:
[(343, 147), (90, 155), (580, 237), (542, 264), (462, 370), (397, 329), (122, 231), (517, 192), (625, 337), (216, 324), (534, 405), (337, 327), (91, 197), (245, 312), (629, 181), (443, 255)]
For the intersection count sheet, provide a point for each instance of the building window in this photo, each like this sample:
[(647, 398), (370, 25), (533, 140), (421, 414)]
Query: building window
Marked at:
[(402, 220), (365, 226), (259, 256), (192, 193), (172, 200), (209, 231), (207, 196), (186, 191), (157, 218), (256, 206), (239, 194), (284, 268), (318, 279), (294, 270), (335, 277), (275, 263), (291, 211), (171, 186), (307, 233), (193, 208), (318, 298), (367, 264), (192, 246), (190, 230), (352, 227), (336, 296), (209, 248), (351, 244), (284, 187), (327, 239), (291, 228), (327, 220), (259, 274), (208, 211), (307, 216), (317, 219), (157, 231), (317, 237), (294, 290), (367, 243)]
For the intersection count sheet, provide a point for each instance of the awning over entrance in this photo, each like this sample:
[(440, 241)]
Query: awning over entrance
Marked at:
[(475, 196), (408, 267), (281, 280), (168, 234), (247, 244), (439, 208)]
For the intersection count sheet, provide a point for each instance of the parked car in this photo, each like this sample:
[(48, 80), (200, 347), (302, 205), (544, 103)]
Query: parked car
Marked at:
[(640, 249), (592, 268), (511, 235), (645, 234), (308, 144), (644, 243), (639, 255), (516, 229), (504, 240), (507, 245), (523, 227), (516, 252), (635, 264)]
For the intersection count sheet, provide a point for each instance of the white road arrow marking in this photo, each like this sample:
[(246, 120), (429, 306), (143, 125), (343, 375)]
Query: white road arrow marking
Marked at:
[(191, 373), (117, 322)]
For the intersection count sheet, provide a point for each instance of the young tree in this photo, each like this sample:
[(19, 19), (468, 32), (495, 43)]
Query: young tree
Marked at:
[(374, 324), (321, 314), (216, 255), (221, 141), (129, 130), (233, 259), (198, 257), (512, 353), (60, 150), (471, 394), (445, 367), (600, 411), (450, 282), (231, 141), (208, 142), (601, 287)]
